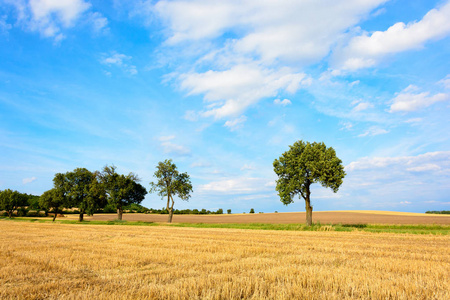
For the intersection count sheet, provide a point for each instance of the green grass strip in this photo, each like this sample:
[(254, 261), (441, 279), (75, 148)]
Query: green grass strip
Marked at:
[(375, 228)]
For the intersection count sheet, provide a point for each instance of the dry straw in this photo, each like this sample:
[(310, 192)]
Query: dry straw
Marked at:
[(58, 261)]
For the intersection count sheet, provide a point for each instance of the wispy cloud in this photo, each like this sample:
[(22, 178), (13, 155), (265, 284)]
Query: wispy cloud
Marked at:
[(283, 102), (4, 26), (372, 131), (172, 148), (242, 185), (51, 18), (28, 180), (235, 123), (119, 60)]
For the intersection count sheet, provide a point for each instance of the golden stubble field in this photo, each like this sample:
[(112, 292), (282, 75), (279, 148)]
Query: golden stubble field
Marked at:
[(63, 261)]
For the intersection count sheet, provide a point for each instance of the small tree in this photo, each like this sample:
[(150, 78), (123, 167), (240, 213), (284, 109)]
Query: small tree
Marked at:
[(53, 199), (121, 190), (229, 211), (252, 211), (11, 201), (304, 164), (170, 183)]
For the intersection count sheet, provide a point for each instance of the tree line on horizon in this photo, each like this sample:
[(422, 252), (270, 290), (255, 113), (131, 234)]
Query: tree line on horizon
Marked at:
[(297, 169), (89, 192)]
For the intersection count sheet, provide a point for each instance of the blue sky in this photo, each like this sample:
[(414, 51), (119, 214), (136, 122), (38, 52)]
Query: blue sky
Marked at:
[(223, 88)]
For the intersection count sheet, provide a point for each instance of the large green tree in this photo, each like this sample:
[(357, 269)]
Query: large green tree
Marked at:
[(304, 164), (85, 191), (121, 190), (11, 200), (170, 183)]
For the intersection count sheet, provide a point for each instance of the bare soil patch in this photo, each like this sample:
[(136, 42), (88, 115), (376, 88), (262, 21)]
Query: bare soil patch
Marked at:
[(287, 218)]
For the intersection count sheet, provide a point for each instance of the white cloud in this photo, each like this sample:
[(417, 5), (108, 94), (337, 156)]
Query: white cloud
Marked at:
[(232, 91), (175, 149), (282, 102), (346, 125), (236, 123), (405, 202), (414, 179), (404, 162), (242, 185), (28, 180), (424, 168), (411, 100), (445, 82), (414, 120), (51, 17), (269, 29), (119, 60), (362, 106), (265, 37), (372, 131), (170, 147), (367, 50)]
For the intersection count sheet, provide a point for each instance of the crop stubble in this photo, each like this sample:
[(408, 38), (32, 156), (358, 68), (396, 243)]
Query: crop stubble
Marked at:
[(121, 262)]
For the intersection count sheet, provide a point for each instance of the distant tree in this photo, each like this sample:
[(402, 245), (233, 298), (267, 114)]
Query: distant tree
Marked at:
[(304, 164), (33, 202), (53, 199), (11, 201), (228, 211), (219, 211), (252, 211), (121, 190), (171, 183)]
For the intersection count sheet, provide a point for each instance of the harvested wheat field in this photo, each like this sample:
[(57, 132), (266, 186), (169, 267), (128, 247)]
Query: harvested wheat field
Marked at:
[(63, 261), (331, 217)]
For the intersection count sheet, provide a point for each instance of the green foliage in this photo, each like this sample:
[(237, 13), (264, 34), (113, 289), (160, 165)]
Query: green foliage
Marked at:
[(304, 164), (229, 211), (54, 199), (252, 211), (121, 190), (171, 183), (85, 191), (10, 201), (33, 202), (440, 212)]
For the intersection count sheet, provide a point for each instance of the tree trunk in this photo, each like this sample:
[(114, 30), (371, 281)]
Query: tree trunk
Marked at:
[(308, 212), (119, 213), (54, 217), (80, 217), (170, 215)]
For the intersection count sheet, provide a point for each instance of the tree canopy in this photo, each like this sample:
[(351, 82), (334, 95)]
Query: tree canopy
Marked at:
[(11, 200), (121, 190), (304, 164), (84, 190), (171, 183)]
